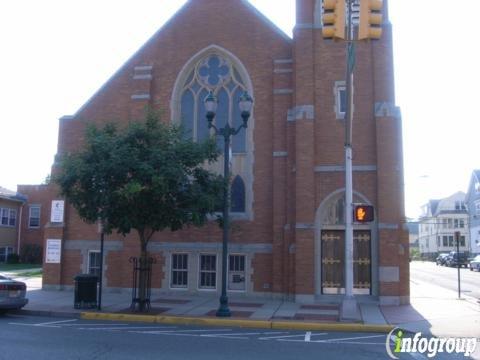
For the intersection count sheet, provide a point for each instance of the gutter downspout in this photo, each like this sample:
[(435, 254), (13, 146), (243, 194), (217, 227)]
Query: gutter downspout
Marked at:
[(19, 228)]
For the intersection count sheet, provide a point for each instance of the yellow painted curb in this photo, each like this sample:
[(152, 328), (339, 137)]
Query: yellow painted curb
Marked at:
[(345, 327), (117, 317), (244, 323), (262, 324)]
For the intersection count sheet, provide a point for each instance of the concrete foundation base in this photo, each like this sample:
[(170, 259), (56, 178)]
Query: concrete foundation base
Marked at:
[(349, 310)]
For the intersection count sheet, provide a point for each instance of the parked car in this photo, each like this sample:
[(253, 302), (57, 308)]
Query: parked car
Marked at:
[(475, 263), (441, 258), (12, 294), (455, 259)]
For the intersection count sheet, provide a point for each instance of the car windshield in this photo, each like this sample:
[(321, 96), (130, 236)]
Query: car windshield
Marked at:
[(3, 278)]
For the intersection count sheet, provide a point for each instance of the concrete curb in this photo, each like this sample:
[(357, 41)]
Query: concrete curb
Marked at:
[(48, 313), (243, 323)]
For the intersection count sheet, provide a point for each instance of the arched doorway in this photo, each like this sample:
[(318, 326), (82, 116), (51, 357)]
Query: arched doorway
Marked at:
[(330, 249)]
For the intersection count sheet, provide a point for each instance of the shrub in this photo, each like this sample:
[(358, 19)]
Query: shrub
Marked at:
[(31, 254), (13, 259)]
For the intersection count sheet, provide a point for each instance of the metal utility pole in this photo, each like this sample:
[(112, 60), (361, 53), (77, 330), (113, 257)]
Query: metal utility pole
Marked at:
[(457, 240), (369, 27), (349, 304)]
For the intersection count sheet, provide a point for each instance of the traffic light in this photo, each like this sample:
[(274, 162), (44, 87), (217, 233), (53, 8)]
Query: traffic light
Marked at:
[(363, 213), (333, 19), (370, 26)]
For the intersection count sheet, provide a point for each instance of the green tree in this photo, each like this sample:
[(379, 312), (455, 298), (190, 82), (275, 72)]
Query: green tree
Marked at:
[(146, 177)]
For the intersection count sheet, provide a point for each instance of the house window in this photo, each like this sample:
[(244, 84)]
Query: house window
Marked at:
[(462, 240), (340, 99), (13, 217), (34, 216), (460, 205), (4, 252), (94, 260), (477, 208), (208, 271), (445, 241), (5, 216), (236, 272), (179, 278), (450, 241)]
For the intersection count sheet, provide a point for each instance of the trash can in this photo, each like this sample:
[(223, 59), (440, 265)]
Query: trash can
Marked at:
[(85, 291)]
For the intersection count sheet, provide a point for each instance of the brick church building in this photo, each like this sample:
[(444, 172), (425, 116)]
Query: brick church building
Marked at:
[(287, 238)]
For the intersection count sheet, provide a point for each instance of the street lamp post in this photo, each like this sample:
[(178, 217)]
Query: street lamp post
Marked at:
[(245, 104)]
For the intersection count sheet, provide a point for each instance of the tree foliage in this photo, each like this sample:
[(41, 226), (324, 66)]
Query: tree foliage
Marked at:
[(146, 177)]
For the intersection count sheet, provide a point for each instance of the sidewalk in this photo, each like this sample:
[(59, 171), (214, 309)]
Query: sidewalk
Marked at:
[(437, 311), (433, 310)]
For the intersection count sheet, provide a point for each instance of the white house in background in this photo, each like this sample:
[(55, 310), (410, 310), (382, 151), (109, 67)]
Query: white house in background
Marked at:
[(473, 203), (439, 221), (413, 234)]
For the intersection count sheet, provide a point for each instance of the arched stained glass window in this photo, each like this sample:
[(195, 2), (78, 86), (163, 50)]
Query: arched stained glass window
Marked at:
[(237, 195), (213, 73)]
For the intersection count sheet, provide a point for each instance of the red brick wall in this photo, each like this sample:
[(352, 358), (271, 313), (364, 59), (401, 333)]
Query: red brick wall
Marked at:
[(38, 195), (262, 273), (287, 190)]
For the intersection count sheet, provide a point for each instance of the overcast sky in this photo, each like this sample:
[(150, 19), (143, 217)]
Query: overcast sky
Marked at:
[(57, 53)]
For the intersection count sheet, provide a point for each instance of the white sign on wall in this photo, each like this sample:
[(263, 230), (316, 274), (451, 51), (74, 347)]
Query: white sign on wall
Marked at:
[(57, 211), (54, 251)]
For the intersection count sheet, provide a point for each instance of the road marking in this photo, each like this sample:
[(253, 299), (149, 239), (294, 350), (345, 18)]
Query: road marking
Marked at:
[(33, 325), (308, 335), (287, 336), (230, 334), (126, 328), (334, 342), (95, 324), (55, 322), (227, 337), (50, 324), (181, 331), (352, 338)]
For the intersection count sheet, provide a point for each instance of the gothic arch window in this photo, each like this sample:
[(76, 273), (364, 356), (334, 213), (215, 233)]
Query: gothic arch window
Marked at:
[(212, 73), (216, 69), (237, 195)]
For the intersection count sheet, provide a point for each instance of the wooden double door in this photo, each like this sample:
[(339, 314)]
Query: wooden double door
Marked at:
[(333, 262)]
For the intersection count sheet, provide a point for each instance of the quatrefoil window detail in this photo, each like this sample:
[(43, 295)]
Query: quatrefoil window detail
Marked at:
[(214, 71)]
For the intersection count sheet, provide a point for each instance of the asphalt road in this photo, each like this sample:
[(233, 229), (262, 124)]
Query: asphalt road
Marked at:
[(447, 277), (32, 337)]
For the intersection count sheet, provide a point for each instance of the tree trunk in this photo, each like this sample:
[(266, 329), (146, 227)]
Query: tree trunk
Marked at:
[(142, 278)]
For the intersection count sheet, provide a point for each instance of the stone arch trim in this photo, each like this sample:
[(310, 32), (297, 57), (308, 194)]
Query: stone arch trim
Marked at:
[(318, 227)]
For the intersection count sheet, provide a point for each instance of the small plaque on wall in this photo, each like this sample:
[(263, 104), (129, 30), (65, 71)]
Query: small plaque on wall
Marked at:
[(53, 252), (57, 211)]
